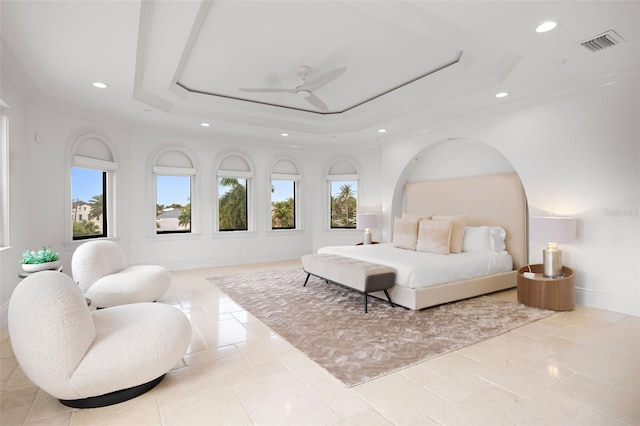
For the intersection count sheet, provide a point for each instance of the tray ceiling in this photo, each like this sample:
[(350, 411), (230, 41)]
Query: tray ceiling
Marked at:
[(409, 64)]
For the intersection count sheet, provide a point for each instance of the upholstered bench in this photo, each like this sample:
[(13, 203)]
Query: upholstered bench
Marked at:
[(359, 275)]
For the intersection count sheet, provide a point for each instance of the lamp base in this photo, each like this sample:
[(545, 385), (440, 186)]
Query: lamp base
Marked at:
[(367, 237), (552, 261)]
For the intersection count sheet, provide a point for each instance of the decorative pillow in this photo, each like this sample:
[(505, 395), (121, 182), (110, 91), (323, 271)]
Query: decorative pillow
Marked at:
[(477, 239), (434, 236), (457, 231), (497, 240), (405, 233)]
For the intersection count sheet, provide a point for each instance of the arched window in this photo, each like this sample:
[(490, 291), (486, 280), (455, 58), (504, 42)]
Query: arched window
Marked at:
[(234, 188), (285, 195), (174, 177), (93, 177), (342, 180)]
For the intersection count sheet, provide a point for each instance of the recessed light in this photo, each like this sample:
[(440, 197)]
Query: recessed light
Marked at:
[(502, 95), (382, 130), (100, 85), (284, 134), (205, 124), (546, 26)]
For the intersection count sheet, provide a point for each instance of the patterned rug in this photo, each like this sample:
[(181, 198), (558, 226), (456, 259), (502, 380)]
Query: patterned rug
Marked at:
[(327, 322)]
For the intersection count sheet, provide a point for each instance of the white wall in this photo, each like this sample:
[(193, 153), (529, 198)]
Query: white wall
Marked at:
[(16, 93), (576, 156)]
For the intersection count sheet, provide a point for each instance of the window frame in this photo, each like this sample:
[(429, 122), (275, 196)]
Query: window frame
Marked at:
[(175, 171), (331, 178), (234, 174), (295, 178), (109, 170)]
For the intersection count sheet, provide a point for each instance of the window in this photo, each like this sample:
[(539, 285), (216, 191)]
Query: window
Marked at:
[(91, 188), (88, 187), (174, 179), (284, 195), (173, 204), (89, 196), (234, 194), (343, 195), (283, 204), (344, 203), (232, 204)]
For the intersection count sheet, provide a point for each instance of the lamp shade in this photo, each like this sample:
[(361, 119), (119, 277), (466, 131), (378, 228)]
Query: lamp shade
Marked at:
[(552, 229), (367, 220)]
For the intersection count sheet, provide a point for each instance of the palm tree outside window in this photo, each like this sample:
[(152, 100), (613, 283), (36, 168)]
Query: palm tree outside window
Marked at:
[(232, 204), (344, 204)]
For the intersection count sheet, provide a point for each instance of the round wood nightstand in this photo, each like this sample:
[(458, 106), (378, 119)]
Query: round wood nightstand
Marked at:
[(557, 294)]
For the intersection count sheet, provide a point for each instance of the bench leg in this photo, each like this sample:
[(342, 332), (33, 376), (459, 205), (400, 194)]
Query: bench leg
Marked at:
[(366, 310), (389, 297), (305, 281)]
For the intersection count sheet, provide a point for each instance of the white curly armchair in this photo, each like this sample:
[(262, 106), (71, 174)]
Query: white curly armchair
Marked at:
[(100, 270), (86, 358)]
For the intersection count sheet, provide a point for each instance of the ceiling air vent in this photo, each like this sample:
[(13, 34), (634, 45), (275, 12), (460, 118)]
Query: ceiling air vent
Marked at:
[(602, 41)]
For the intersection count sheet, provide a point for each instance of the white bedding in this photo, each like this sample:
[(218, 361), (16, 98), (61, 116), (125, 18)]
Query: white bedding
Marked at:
[(420, 269)]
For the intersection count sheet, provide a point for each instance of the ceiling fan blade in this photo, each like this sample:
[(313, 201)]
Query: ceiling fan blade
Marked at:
[(268, 90), (323, 79), (316, 102)]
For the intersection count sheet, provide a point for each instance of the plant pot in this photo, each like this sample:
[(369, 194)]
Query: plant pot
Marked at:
[(36, 267)]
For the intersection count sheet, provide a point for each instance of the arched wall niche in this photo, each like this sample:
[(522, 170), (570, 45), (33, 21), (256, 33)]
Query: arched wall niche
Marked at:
[(449, 158)]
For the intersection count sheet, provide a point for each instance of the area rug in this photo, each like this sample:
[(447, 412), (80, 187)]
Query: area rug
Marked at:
[(327, 322)]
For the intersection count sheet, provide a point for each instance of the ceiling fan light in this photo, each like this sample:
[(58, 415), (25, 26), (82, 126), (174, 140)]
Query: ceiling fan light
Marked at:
[(303, 93)]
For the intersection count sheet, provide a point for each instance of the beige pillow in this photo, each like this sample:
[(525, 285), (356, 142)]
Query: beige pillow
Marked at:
[(457, 231), (405, 233), (434, 236)]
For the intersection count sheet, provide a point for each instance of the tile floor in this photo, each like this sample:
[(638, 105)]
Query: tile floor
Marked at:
[(580, 367)]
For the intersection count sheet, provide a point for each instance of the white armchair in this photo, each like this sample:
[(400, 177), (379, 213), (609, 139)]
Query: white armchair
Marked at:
[(86, 358), (100, 270)]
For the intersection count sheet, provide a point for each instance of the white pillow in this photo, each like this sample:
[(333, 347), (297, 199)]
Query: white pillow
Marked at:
[(497, 241), (476, 239), (484, 239)]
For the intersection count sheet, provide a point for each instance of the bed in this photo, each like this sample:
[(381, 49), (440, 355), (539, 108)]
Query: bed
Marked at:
[(429, 279)]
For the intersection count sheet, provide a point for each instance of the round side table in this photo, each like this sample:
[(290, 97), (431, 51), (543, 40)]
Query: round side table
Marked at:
[(557, 294)]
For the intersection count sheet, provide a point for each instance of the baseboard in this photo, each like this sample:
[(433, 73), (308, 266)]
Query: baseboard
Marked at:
[(236, 259), (608, 302)]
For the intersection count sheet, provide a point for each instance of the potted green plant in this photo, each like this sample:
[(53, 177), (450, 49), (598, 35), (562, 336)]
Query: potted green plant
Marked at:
[(41, 260)]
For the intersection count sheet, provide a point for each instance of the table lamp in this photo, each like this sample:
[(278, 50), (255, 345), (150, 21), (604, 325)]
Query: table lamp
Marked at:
[(552, 230), (367, 221)]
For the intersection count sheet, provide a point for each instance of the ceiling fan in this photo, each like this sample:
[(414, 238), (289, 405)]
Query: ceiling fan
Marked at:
[(305, 88)]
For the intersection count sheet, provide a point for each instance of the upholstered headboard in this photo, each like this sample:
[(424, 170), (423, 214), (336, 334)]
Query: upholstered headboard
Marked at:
[(494, 200)]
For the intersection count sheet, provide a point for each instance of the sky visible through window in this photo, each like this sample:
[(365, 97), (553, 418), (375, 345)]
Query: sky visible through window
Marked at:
[(173, 190), (86, 183), (281, 190)]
